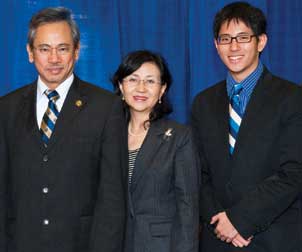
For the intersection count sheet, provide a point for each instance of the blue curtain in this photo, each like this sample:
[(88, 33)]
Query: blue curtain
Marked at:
[(180, 30)]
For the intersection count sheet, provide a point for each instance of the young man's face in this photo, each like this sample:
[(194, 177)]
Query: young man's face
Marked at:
[(241, 59)]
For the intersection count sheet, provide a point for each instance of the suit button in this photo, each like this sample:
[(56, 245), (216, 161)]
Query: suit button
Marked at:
[(45, 190), (45, 158), (45, 222)]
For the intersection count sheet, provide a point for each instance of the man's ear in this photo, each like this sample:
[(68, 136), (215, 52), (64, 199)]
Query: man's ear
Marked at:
[(262, 40), (77, 51), (215, 43), (121, 88), (30, 53)]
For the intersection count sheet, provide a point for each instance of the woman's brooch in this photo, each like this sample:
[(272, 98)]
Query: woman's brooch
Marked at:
[(168, 133)]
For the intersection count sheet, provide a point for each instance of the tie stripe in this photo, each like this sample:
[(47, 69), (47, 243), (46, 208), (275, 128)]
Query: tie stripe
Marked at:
[(50, 116), (235, 117)]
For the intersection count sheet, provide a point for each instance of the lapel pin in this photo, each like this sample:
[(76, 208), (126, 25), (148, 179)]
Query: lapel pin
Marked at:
[(78, 103), (168, 133)]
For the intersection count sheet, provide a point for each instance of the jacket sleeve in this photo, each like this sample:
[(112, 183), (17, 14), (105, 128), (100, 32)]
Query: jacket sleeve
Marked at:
[(3, 182), (186, 223), (209, 205), (110, 211), (271, 197)]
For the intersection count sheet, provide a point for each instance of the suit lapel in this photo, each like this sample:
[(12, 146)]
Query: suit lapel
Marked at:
[(27, 116), (148, 150), (259, 95), (73, 104), (221, 112)]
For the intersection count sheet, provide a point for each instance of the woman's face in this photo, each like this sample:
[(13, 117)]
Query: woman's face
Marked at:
[(143, 89)]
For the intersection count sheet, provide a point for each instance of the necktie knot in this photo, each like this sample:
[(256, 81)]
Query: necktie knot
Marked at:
[(237, 88), (52, 95)]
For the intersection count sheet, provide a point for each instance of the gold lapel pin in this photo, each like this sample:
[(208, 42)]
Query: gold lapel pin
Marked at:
[(78, 103)]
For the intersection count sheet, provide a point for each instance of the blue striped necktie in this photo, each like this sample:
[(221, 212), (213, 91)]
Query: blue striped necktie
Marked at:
[(50, 116), (235, 116)]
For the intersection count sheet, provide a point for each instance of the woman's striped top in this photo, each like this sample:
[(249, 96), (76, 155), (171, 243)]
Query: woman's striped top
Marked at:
[(132, 154)]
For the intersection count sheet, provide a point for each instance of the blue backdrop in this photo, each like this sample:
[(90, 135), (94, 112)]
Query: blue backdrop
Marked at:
[(181, 30)]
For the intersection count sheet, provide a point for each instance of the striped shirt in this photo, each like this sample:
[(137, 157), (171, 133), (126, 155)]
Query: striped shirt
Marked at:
[(132, 154), (248, 85)]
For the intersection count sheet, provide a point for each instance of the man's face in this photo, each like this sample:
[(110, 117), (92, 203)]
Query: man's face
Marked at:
[(241, 59), (53, 53)]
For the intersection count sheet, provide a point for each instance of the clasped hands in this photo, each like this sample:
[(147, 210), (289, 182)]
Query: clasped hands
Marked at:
[(225, 231)]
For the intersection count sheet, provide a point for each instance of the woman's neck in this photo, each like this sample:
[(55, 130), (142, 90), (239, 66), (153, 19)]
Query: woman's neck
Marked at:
[(138, 123), (137, 131)]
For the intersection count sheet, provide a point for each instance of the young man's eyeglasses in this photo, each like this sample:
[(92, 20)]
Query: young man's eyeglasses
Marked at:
[(227, 39)]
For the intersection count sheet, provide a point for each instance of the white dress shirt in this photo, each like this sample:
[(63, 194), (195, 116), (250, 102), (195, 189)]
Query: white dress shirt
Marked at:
[(42, 100)]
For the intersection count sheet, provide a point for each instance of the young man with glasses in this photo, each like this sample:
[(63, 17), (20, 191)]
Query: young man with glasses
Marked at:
[(249, 135), (62, 186)]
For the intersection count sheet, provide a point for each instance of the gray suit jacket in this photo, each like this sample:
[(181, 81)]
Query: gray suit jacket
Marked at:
[(258, 186), (163, 196), (81, 168)]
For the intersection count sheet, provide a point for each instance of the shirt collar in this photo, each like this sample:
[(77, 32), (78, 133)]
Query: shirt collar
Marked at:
[(62, 89), (248, 83)]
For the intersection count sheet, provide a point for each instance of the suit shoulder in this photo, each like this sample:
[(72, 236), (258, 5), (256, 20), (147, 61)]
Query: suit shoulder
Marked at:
[(281, 88), (95, 90), (168, 123), (10, 102), (209, 92), (99, 96), (284, 84), (13, 95), (208, 95)]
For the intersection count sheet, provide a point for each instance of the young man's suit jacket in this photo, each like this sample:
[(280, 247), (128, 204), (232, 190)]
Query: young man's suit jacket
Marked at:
[(163, 195), (258, 185), (76, 183)]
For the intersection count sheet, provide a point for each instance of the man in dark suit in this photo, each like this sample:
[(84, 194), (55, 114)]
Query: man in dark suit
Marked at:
[(248, 130), (62, 183)]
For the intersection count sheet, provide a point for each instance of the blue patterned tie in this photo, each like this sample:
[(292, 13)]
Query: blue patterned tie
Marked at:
[(235, 116), (50, 116)]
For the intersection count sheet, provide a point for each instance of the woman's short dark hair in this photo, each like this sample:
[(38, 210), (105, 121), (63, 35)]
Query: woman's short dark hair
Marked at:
[(251, 16), (132, 62), (53, 15)]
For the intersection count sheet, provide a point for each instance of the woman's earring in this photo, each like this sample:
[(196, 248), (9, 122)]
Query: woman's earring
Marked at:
[(123, 98), (159, 101)]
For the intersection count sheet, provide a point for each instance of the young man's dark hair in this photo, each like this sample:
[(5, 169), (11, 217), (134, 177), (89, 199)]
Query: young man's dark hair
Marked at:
[(251, 16)]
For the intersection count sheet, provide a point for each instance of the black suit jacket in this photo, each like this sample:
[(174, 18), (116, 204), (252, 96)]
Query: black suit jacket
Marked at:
[(81, 168), (258, 185), (163, 195)]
